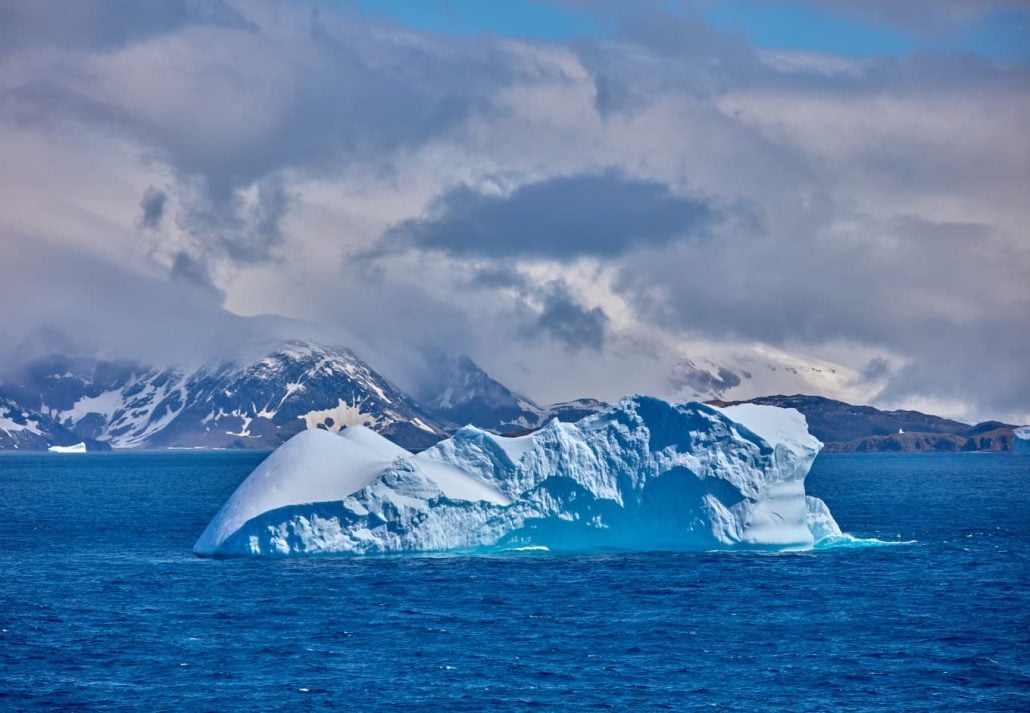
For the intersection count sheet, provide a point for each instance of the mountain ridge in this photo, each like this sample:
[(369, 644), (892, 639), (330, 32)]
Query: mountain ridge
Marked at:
[(260, 397), (230, 402)]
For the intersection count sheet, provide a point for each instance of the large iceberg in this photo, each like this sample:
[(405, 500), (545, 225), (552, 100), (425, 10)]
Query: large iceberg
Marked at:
[(643, 475), (1021, 441)]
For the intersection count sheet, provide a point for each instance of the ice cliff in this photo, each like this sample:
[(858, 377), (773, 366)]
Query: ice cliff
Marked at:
[(1021, 441), (642, 475)]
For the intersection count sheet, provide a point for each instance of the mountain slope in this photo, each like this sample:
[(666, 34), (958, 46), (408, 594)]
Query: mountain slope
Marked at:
[(464, 394), (27, 430), (241, 401)]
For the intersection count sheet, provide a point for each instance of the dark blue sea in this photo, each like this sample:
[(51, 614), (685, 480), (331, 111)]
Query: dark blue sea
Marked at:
[(103, 606)]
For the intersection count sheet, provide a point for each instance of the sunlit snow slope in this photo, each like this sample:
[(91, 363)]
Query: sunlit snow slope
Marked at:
[(644, 474)]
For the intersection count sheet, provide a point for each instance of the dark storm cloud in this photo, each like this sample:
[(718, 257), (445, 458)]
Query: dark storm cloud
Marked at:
[(244, 228), (544, 311), (565, 320), (603, 214), (153, 208), (188, 269)]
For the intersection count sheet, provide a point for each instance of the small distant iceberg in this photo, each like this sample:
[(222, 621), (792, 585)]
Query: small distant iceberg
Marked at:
[(1021, 441), (644, 474), (77, 448)]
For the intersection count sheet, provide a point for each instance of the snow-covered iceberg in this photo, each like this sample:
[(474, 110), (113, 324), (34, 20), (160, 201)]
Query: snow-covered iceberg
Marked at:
[(76, 448), (1021, 441), (643, 475)]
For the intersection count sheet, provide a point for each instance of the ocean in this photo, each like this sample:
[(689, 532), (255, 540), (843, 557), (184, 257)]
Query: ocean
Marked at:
[(104, 607)]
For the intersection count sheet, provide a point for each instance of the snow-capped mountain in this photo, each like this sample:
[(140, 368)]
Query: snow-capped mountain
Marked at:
[(704, 372), (465, 394), (240, 401), (26, 430)]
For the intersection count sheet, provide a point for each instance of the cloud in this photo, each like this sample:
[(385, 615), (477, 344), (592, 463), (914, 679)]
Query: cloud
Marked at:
[(104, 24), (237, 109), (602, 214), (153, 206), (921, 16), (187, 269), (564, 319), (944, 296), (244, 226), (661, 47), (121, 313), (537, 205)]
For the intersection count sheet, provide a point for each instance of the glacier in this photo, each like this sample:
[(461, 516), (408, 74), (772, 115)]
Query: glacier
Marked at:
[(645, 474)]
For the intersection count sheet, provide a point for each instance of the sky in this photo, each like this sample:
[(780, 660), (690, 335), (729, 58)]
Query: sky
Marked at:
[(588, 198)]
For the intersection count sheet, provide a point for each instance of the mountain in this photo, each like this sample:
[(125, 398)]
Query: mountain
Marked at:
[(241, 401), (701, 371), (844, 427), (26, 430), (260, 397), (464, 394)]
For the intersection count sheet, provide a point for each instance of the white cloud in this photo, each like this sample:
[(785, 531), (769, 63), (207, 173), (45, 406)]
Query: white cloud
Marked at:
[(881, 204)]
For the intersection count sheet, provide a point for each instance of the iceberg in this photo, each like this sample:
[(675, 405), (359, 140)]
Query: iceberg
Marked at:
[(1021, 441), (644, 474), (76, 448)]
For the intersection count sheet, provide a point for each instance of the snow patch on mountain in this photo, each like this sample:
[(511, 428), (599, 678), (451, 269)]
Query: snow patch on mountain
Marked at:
[(14, 420), (29, 430)]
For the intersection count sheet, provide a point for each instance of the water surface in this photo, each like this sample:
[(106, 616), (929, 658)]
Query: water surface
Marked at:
[(102, 605)]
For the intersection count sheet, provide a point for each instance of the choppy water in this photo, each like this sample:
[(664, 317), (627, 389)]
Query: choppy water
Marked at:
[(102, 605)]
